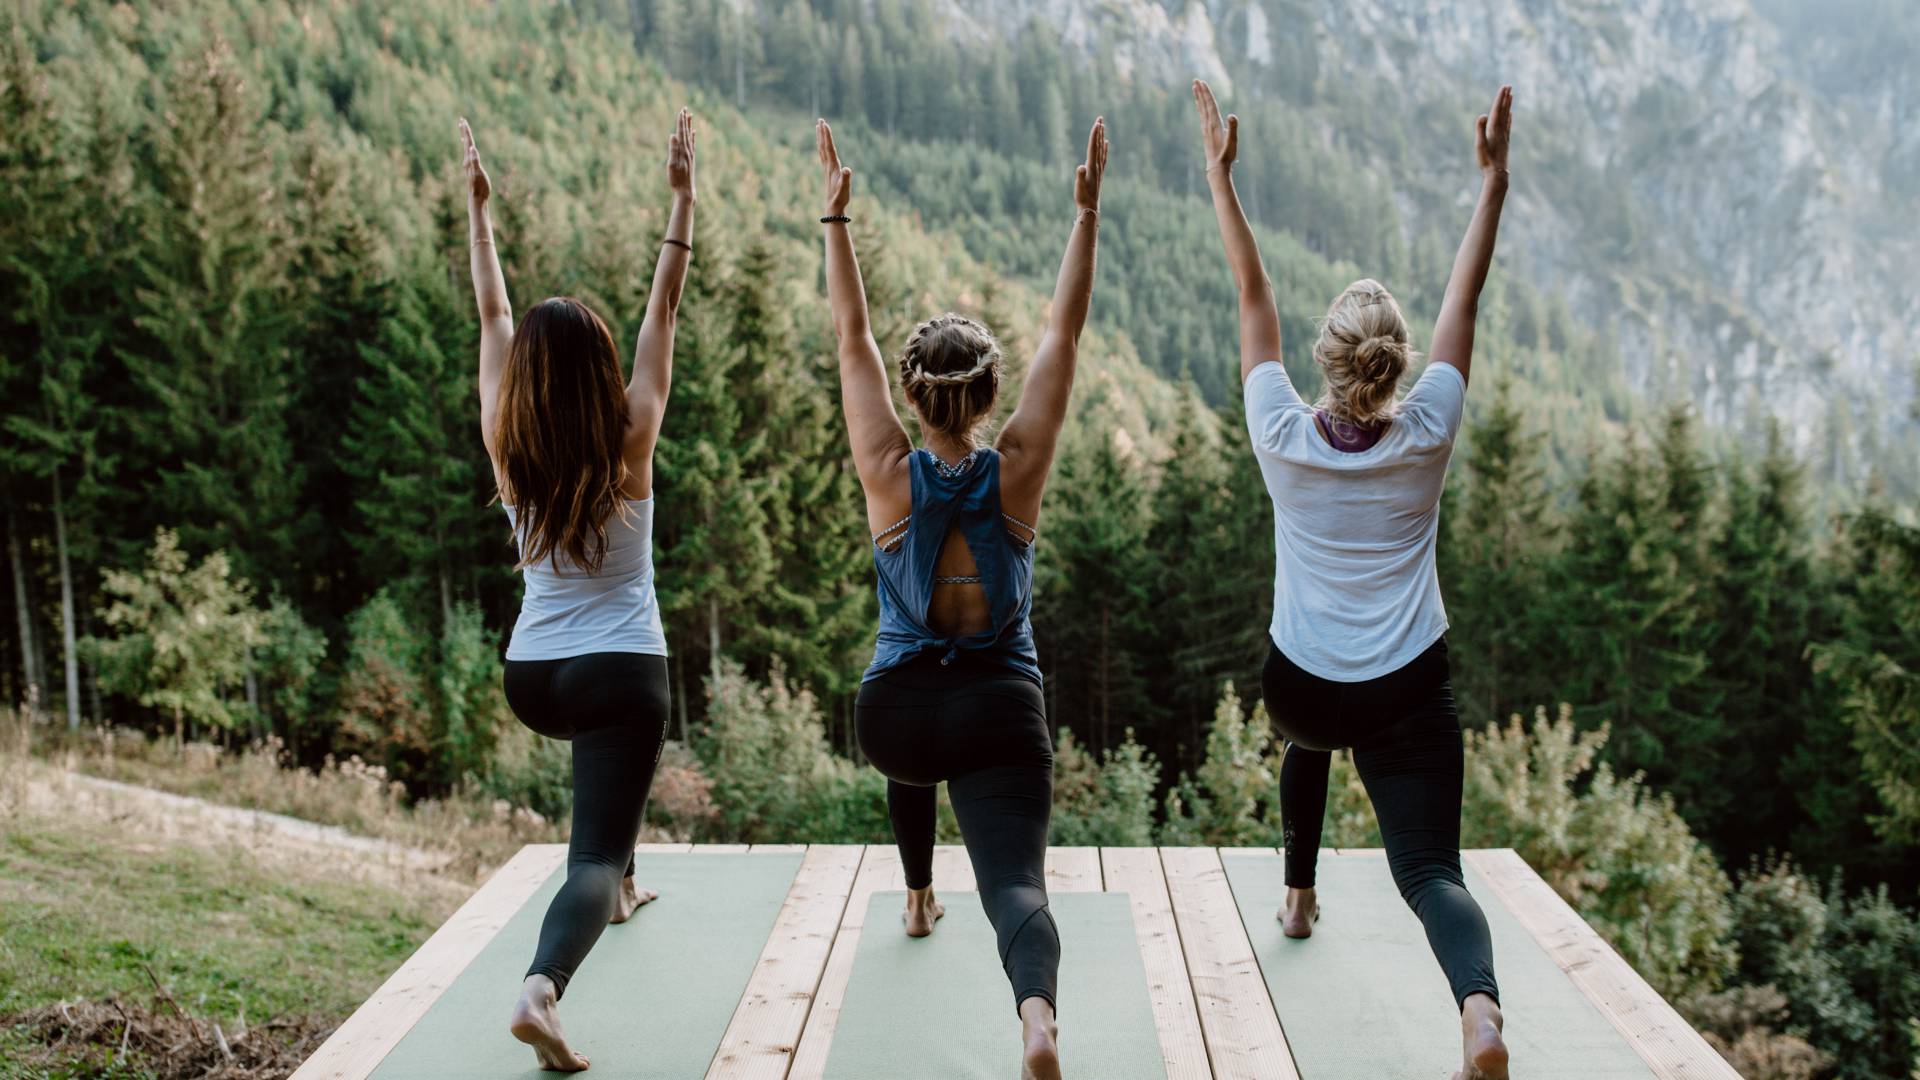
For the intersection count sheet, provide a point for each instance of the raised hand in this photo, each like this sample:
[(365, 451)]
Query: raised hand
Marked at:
[(1222, 140), (1493, 131), (1086, 178), (680, 155), (839, 177), (479, 188)]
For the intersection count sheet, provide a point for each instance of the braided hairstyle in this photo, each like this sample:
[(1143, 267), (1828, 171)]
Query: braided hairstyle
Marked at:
[(1363, 351), (950, 370)]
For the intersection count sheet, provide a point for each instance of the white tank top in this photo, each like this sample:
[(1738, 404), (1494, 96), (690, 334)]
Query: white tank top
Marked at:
[(569, 612)]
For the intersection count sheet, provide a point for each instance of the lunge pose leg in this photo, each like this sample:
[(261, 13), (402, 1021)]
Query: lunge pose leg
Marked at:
[(572, 452), (953, 693), (1358, 653)]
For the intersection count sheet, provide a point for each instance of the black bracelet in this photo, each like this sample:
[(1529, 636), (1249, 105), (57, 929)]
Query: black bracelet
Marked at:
[(833, 218), (678, 243)]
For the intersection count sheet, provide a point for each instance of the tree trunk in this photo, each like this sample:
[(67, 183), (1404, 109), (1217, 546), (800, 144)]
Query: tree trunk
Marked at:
[(179, 730), (680, 698), (713, 636), (68, 647), (257, 719), (32, 675)]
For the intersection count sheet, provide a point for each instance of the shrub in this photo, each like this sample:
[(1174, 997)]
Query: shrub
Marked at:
[(181, 636), (1108, 801), (384, 708), (471, 701), (774, 778), (1742, 1025), (1849, 968), (1233, 799)]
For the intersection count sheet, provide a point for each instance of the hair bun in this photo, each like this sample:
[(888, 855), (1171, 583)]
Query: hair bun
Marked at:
[(1380, 358)]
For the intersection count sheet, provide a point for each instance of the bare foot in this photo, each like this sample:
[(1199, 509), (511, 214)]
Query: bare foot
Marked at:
[(1298, 913), (537, 1024), (631, 897), (1483, 1051), (922, 912), (1039, 1034)]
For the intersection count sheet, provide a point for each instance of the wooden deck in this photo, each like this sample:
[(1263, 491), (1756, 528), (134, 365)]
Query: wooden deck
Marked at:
[(1214, 1015)]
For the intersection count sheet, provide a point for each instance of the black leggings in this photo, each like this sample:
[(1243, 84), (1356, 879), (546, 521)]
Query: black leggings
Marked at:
[(982, 729), (613, 708), (1405, 737)]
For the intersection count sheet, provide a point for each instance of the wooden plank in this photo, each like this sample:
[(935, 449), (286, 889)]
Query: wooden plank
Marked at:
[(359, 1044), (1073, 869), (779, 849), (1243, 1035), (766, 1026), (1136, 872), (879, 869), (1668, 1044), (952, 870)]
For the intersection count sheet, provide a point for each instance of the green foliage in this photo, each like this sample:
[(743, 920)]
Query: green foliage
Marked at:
[(180, 635), (384, 708), (1105, 800), (1233, 798), (1621, 855), (1850, 968), (288, 660), (471, 704), (774, 778), (1875, 664)]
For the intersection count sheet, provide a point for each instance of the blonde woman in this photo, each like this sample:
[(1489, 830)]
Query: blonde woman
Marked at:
[(953, 692), (1358, 657)]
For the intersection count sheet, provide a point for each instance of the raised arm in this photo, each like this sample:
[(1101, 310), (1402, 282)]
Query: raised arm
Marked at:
[(1027, 442), (1259, 318), (1453, 331), (880, 445), (653, 351), (489, 288)]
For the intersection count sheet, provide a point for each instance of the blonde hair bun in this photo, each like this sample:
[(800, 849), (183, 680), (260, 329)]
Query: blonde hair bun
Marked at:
[(1364, 352)]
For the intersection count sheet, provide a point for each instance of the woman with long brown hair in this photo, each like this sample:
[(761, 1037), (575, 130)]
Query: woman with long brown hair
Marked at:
[(572, 452), (954, 692)]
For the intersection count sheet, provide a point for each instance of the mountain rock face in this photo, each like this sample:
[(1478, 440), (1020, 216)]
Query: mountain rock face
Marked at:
[(1727, 193)]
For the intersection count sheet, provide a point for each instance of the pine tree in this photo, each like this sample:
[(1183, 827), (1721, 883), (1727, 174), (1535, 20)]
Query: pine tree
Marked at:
[(1211, 589), (421, 485), (1092, 599), (1493, 555), (212, 305)]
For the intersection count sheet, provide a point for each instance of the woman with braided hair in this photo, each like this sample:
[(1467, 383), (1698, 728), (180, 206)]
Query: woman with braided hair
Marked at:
[(953, 692), (1358, 656)]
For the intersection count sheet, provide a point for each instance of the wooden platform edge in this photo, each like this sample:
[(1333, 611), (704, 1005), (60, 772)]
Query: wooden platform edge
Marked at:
[(1244, 1038), (764, 1032), (364, 1039), (1657, 1032)]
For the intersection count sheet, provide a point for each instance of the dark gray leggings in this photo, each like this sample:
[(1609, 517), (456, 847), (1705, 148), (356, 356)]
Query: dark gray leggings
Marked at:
[(983, 729), (613, 709), (1405, 737)]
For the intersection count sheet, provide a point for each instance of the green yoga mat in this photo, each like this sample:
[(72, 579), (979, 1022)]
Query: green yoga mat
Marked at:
[(1363, 998), (651, 1001), (939, 1006)]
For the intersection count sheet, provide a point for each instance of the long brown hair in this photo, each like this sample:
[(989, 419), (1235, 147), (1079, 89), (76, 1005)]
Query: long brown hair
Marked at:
[(562, 423)]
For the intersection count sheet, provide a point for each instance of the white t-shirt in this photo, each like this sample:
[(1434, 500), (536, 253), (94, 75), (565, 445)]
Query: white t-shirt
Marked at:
[(1355, 593), (568, 612)]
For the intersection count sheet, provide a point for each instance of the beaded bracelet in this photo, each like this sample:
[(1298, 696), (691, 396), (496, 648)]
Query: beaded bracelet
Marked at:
[(833, 218)]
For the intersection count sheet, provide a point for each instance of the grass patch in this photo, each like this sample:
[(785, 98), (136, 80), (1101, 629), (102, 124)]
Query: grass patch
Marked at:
[(121, 948)]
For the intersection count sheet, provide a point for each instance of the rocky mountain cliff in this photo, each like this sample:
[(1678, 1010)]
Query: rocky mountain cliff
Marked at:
[(1727, 191)]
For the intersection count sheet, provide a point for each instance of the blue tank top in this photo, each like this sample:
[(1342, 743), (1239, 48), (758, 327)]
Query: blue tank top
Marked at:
[(966, 498)]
